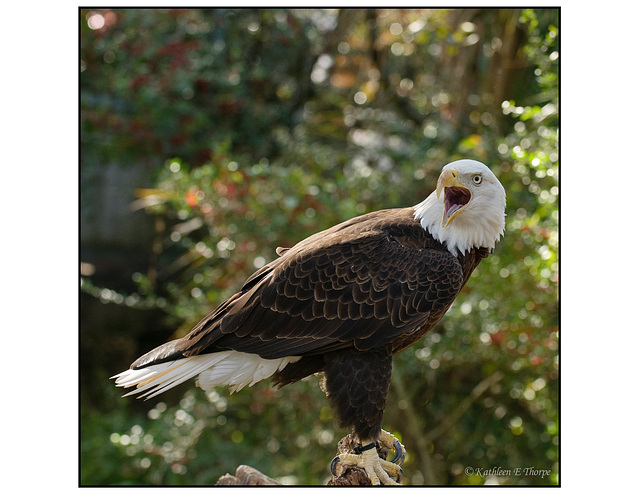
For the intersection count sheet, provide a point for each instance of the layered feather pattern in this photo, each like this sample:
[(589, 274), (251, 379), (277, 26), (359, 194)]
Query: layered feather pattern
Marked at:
[(373, 280), (235, 369)]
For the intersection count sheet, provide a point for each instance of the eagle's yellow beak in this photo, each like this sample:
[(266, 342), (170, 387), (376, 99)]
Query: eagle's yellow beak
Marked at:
[(456, 195)]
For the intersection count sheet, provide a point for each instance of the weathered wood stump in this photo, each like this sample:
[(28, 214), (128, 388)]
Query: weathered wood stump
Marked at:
[(345, 475), (246, 475)]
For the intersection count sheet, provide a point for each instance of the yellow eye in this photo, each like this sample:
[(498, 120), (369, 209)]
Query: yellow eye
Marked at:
[(477, 179)]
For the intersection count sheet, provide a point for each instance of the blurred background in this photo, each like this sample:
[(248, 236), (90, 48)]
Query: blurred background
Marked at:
[(211, 136)]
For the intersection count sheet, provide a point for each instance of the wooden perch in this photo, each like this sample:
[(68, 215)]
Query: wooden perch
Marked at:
[(246, 475), (346, 475)]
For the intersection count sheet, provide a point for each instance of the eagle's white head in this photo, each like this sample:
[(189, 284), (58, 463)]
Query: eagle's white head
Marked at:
[(467, 209)]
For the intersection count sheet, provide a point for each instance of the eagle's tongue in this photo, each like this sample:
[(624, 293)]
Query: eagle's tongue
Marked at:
[(452, 208)]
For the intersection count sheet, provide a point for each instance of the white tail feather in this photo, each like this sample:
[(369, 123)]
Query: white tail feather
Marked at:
[(239, 369), (232, 368)]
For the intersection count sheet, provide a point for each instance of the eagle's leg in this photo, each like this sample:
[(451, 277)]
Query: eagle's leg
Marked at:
[(357, 384)]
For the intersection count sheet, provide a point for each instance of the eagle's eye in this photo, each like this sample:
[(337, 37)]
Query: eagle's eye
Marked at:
[(477, 179)]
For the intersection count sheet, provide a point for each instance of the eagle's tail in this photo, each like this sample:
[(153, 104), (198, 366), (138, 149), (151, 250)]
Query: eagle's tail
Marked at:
[(231, 368)]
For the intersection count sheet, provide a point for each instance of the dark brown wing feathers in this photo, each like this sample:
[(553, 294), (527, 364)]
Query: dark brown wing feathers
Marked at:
[(371, 281)]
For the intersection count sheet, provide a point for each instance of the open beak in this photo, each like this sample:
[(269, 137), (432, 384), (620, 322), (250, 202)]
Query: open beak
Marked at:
[(456, 195)]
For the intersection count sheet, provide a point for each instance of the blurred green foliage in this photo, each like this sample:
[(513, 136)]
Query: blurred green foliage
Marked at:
[(270, 125)]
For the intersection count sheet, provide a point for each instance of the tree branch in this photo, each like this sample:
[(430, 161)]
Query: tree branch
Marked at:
[(415, 431), (453, 417)]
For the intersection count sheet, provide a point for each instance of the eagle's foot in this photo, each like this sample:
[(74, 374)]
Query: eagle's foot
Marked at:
[(379, 471)]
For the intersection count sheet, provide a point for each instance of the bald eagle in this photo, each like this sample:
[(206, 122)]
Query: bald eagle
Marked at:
[(343, 302)]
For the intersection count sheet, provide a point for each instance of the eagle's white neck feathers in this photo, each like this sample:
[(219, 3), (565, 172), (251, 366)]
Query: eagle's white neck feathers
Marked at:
[(481, 224)]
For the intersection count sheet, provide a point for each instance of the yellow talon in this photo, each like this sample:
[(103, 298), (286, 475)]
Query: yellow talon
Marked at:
[(391, 442)]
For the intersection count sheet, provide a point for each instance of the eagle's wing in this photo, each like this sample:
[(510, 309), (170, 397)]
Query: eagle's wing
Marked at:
[(358, 286)]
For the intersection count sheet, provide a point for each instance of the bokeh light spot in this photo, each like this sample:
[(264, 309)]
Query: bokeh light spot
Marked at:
[(95, 20)]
